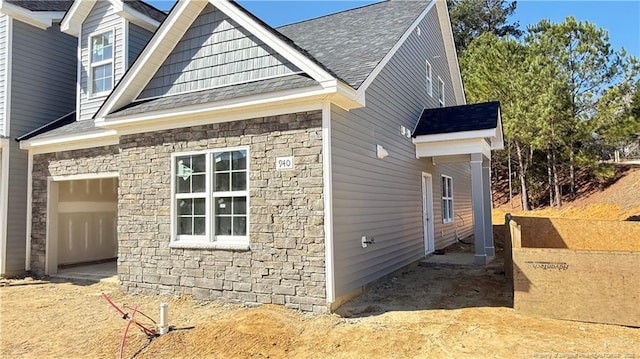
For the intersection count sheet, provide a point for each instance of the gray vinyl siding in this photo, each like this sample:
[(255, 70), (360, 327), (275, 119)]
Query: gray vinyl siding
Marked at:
[(3, 70), (138, 38), (215, 51), (102, 18), (383, 198), (43, 84)]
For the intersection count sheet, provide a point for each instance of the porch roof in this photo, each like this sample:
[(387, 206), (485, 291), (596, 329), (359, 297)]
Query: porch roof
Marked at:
[(459, 130)]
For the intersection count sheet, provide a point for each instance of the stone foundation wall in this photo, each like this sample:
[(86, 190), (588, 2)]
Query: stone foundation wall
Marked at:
[(85, 161), (286, 261)]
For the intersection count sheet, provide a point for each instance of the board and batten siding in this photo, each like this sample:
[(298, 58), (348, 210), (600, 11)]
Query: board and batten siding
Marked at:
[(214, 52), (383, 198), (138, 38), (43, 86), (3, 71), (102, 18)]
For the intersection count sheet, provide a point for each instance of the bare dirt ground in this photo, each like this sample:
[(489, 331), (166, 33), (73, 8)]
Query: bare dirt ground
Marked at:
[(425, 312), (434, 312)]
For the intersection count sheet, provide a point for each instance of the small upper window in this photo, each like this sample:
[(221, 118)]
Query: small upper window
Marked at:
[(447, 199), (101, 62), (429, 80), (441, 91)]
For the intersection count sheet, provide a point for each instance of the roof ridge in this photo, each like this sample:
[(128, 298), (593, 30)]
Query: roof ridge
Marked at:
[(335, 13)]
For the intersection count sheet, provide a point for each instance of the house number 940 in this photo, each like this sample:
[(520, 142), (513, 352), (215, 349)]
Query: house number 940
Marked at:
[(284, 163)]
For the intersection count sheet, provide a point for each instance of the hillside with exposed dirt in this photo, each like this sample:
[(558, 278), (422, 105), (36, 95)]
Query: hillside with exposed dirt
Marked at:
[(616, 199)]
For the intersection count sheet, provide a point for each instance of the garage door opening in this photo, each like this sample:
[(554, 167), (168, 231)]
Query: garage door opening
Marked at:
[(82, 226)]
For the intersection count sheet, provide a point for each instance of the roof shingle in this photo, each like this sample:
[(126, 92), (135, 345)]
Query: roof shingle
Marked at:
[(146, 9), (353, 42), (42, 5), (480, 116), (216, 94)]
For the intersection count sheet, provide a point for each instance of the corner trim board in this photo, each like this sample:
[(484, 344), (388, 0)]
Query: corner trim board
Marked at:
[(27, 261), (4, 201), (328, 202), (8, 77)]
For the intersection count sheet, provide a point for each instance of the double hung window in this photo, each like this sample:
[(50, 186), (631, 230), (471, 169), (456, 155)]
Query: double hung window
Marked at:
[(211, 197), (101, 62)]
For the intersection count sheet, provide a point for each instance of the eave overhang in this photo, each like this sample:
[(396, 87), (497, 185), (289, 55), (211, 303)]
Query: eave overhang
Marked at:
[(39, 19)]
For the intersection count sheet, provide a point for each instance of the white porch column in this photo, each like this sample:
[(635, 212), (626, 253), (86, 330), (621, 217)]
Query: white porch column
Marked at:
[(481, 202), (490, 250)]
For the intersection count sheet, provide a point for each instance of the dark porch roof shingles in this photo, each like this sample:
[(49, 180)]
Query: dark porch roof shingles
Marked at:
[(476, 117)]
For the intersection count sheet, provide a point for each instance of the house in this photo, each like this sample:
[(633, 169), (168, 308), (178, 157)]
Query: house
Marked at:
[(107, 37), (291, 166), (37, 83)]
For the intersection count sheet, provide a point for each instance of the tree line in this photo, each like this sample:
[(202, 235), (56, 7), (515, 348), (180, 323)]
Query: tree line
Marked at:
[(569, 101)]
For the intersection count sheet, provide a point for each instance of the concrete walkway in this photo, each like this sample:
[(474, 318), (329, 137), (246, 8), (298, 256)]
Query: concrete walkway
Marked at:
[(99, 272)]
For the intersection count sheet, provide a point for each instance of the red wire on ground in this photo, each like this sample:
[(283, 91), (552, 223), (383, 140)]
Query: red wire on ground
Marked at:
[(126, 330), (149, 332), (129, 318)]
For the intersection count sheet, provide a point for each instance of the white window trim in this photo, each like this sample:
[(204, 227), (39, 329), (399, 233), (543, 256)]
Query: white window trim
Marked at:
[(90, 91), (209, 240), (429, 79), (447, 198), (441, 91)]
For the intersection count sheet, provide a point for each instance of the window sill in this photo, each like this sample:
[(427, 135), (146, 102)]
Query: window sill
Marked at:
[(97, 95), (221, 246)]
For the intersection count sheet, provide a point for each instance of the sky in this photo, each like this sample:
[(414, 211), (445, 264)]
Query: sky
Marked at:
[(621, 18)]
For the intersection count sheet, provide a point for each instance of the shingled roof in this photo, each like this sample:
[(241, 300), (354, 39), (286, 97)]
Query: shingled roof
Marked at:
[(476, 117), (289, 82), (146, 9), (352, 43), (42, 5)]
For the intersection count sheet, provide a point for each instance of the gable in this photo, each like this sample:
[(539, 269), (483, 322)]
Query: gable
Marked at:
[(101, 18), (137, 12), (216, 51)]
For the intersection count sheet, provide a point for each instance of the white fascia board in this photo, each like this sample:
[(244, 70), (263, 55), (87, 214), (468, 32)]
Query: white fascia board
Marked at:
[(152, 56), (287, 51), (372, 76), (139, 19), (450, 50), (73, 142), (345, 96), (72, 23), (196, 117), (452, 136), (453, 148), (497, 142), (238, 108), (39, 19)]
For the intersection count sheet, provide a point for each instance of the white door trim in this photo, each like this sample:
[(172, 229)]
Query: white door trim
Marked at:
[(427, 213), (51, 251)]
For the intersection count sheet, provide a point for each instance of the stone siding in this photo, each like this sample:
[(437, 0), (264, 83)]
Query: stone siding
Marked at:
[(286, 260), (85, 161)]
